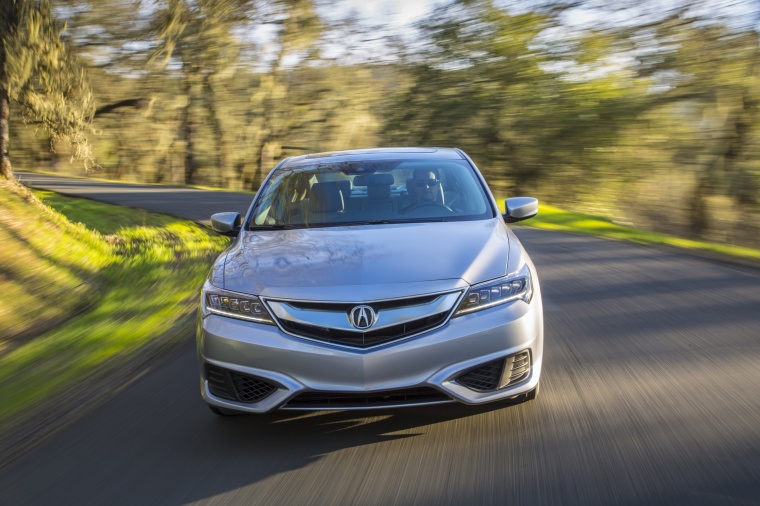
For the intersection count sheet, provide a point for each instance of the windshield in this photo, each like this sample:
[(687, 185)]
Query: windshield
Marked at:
[(377, 191)]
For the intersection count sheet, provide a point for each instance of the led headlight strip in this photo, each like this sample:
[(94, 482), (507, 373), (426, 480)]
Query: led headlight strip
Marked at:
[(235, 305), (517, 286)]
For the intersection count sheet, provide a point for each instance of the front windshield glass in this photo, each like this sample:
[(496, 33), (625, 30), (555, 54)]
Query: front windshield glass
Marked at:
[(354, 192)]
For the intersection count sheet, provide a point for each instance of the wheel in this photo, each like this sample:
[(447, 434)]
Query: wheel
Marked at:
[(223, 411)]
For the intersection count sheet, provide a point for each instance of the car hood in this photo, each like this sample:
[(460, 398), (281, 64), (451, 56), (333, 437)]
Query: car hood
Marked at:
[(367, 262)]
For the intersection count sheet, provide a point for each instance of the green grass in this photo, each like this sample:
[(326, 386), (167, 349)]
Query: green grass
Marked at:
[(134, 277), (553, 218), (48, 266)]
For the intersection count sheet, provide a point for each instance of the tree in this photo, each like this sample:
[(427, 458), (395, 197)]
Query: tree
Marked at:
[(481, 82), (298, 27), (199, 38), (40, 74)]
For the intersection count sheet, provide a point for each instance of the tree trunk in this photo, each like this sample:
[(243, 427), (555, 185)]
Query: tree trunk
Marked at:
[(9, 20), (5, 111), (270, 150), (719, 172), (223, 175), (187, 132)]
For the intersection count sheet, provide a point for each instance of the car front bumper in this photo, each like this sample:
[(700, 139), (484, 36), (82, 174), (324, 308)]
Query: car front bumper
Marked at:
[(433, 359)]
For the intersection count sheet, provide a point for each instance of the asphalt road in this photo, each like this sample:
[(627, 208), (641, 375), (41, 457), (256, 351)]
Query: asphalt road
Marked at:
[(649, 396), (179, 201)]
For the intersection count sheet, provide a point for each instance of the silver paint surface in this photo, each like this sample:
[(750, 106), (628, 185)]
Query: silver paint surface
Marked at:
[(367, 262)]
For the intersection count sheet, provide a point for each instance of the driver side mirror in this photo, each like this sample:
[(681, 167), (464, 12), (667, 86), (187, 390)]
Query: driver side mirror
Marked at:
[(520, 208), (226, 223)]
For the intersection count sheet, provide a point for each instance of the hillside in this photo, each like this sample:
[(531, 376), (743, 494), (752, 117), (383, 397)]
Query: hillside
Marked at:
[(84, 288), (48, 266)]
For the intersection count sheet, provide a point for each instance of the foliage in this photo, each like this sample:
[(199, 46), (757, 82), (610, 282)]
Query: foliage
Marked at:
[(41, 74), (651, 119), (654, 123)]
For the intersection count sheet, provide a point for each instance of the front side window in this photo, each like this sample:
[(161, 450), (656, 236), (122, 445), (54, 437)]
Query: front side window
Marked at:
[(316, 194)]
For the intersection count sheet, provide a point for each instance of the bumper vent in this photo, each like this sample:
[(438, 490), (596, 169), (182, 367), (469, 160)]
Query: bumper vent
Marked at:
[(343, 400), (238, 387), (501, 373), (485, 378), (518, 367)]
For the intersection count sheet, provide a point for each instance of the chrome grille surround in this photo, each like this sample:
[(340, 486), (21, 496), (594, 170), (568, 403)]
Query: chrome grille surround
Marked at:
[(397, 319)]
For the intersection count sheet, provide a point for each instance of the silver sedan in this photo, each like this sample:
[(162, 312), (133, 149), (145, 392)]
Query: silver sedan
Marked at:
[(371, 279)]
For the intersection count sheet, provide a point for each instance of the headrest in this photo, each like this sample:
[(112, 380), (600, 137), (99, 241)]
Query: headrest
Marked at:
[(326, 197), (377, 191), (373, 179)]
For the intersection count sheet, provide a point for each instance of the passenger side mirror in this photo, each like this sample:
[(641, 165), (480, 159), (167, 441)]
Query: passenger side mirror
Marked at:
[(226, 223), (520, 208)]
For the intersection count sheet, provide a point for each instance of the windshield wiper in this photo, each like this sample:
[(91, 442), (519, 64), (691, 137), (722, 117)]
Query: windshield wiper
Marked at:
[(283, 226), (363, 222), (389, 222), (373, 222), (280, 226)]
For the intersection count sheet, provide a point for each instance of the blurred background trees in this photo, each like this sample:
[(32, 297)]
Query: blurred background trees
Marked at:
[(638, 111), (42, 77)]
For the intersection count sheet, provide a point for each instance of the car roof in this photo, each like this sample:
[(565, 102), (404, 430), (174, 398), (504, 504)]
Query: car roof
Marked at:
[(390, 153)]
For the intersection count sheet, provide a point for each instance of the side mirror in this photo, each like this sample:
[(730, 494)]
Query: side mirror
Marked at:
[(520, 208), (226, 223)]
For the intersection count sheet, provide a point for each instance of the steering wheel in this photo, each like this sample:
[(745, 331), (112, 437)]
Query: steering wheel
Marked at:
[(426, 203)]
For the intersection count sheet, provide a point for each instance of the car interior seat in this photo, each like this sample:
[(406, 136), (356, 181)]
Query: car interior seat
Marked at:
[(325, 199), (378, 190)]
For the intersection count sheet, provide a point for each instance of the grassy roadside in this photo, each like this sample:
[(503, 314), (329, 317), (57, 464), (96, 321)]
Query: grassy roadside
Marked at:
[(552, 218), (47, 268), (132, 275)]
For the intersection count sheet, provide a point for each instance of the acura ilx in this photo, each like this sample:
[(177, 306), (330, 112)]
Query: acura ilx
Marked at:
[(371, 279)]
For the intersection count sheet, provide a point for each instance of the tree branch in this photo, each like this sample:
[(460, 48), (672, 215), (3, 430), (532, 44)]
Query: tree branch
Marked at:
[(130, 102)]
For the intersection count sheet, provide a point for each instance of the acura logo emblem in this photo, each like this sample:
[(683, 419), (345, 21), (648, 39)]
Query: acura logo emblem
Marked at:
[(362, 317)]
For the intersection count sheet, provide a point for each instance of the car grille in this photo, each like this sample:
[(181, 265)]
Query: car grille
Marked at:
[(500, 373), (342, 400), (235, 386), (420, 322), (365, 339)]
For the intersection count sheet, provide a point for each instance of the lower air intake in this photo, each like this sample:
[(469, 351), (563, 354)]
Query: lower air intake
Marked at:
[(235, 386), (484, 378), (346, 400), (501, 373)]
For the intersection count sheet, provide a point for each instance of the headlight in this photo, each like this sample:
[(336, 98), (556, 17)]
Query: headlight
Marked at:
[(234, 305), (517, 286)]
